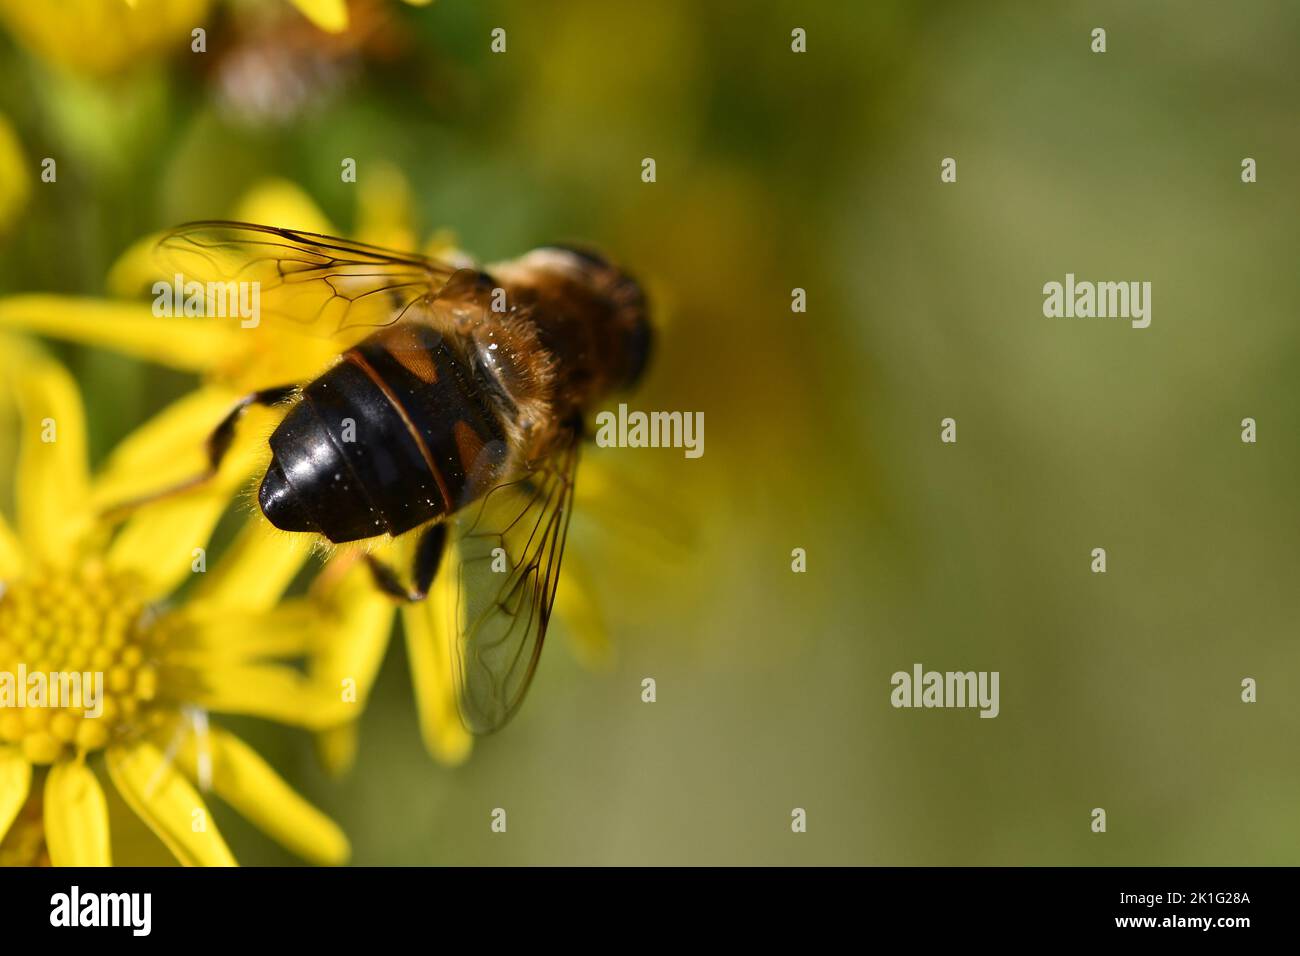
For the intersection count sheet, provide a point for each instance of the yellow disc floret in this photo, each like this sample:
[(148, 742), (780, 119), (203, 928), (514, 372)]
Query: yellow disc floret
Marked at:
[(78, 660)]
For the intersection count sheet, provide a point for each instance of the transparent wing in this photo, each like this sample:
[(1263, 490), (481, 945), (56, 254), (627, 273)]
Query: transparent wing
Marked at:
[(499, 580), (322, 284)]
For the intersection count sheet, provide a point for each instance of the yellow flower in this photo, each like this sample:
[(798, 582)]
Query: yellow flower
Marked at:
[(102, 37), (332, 15), (235, 361), (114, 675), (15, 180)]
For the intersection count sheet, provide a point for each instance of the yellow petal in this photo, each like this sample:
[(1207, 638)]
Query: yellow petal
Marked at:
[(168, 448), (429, 649), (76, 817), (158, 541), (255, 570), (279, 202), (190, 344), (361, 619), (166, 801), (581, 616), (51, 476), (331, 15), (336, 749), (360, 622), (136, 270), (11, 554), (15, 176), (15, 778), (631, 511), (384, 208), (274, 692), (161, 542), (445, 245), (220, 636), (249, 784)]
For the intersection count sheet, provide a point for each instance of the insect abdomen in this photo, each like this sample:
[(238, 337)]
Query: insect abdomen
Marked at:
[(391, 437)]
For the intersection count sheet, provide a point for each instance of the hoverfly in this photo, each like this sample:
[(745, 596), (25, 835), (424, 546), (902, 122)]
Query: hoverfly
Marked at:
[(458, 417)]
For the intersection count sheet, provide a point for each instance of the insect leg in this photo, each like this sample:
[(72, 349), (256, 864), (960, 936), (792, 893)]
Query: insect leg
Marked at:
[(218, 444), (428, 555)]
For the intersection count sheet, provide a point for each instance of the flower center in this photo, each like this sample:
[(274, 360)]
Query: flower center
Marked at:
[(78, 659)]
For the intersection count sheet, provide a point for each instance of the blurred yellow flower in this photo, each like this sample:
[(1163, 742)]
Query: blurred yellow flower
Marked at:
[(332, 15), (102, 37), (15, 178), (94, 662)]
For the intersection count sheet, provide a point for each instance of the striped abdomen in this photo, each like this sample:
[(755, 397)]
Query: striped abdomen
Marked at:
[(400, 431)]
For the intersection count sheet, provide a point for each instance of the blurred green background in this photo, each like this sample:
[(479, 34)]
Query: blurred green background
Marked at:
[(820, 170)]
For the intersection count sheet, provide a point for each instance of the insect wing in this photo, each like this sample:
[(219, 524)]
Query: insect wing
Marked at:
[(499, 584), (321, 284)]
